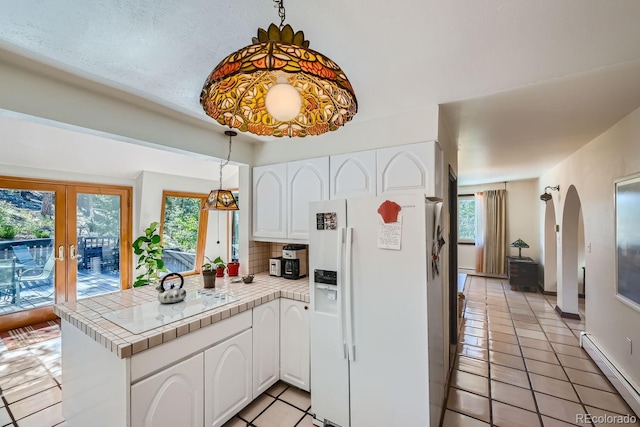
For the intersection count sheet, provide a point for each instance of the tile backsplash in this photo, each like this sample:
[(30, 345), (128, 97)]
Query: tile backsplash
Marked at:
[(260, 252)]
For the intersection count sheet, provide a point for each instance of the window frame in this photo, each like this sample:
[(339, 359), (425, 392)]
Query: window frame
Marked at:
[(202, 226), (461, 240)]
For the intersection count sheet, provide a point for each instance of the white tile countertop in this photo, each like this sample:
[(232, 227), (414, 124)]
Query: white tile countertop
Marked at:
[(88, 314)]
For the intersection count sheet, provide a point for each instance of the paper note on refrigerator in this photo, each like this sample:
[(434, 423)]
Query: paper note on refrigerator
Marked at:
[(390, 234)]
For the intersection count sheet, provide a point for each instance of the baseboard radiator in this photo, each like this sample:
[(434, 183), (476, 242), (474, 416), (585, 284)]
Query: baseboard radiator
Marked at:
[(627, 388)]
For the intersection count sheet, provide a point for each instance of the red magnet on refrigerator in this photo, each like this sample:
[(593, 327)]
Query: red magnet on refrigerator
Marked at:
[(389, 210)]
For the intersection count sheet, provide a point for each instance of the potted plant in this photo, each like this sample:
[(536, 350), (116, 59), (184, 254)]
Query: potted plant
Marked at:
[(233, 267), (220, 266), (209, 273), (148, 247)]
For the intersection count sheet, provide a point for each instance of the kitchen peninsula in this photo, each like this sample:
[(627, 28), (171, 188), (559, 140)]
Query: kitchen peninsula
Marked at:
[(183, 364)]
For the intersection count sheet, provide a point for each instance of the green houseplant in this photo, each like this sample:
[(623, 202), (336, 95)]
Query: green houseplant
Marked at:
[(209, 273), (148, 248), (220, 265)]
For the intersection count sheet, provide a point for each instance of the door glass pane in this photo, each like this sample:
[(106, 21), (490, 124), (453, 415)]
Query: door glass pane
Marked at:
[(26, 249), (98, 249), (180, 232)]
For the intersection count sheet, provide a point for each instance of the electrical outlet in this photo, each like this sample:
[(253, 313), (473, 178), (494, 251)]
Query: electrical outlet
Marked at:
[(630, 345), (589, 247)]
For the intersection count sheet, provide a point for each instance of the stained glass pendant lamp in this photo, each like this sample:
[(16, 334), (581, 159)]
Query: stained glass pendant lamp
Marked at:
[(222, 200), (277, 86)]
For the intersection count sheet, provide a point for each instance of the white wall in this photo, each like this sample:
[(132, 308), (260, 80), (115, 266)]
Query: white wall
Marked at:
[(522, 220), (358, 136), (592, 170)]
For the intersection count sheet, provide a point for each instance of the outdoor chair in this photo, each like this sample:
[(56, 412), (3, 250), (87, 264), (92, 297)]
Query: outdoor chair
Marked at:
[(23, 256), (9, 288), (38, 273)]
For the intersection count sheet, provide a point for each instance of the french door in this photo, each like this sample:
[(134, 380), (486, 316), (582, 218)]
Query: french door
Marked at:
[(60, 241)]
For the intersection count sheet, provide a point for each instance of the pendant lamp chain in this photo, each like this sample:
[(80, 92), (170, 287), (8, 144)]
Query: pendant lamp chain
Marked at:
[(281, 12), (226, 162), (222, 200)]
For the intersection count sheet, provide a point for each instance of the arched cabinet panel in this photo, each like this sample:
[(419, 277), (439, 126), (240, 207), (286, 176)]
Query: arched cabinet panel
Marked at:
[(353, 175)]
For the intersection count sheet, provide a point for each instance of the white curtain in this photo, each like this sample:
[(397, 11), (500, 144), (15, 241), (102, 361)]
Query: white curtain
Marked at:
[(479, 197), (491, 254)]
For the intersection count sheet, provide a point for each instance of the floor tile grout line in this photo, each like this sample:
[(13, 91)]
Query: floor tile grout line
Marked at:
[(488, 354), (259, 414), (6, 405), (559, 363), (456, 359), (535, 401)]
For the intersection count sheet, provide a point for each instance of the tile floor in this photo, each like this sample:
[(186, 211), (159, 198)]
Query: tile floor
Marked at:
[(520, 364)]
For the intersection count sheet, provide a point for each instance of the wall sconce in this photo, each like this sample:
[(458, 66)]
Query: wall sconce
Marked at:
[(545, 197)]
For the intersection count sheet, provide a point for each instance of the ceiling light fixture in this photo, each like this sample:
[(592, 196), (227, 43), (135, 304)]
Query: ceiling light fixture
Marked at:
[(545, 197), (277, 86), (222, 200)]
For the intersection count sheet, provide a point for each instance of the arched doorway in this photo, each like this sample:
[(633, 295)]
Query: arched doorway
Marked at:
[(550, 277), (567, 303)]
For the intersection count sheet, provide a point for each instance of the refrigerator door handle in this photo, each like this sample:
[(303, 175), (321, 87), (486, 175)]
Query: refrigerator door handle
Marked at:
[(340, 252), (348, 295)]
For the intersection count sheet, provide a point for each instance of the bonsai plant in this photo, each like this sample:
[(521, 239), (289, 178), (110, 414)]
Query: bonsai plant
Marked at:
[(220, 266), (209, 273), (148, 247)]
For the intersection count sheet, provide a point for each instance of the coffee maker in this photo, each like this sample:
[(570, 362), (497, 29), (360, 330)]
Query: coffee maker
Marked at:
[(294, 261)]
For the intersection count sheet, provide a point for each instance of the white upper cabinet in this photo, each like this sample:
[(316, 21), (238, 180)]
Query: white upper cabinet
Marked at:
[(407, 168), (270, 201), (353, 175), (308, 180)]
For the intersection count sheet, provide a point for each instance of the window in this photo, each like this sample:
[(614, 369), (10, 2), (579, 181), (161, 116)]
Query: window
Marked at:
[(466, 218), (233, 219), (183, 230)]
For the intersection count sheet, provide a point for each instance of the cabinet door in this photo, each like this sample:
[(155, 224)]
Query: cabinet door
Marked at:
[(266, 346), (308, 180), (155, 401), (270, 201), (410, 168), (294, 343), (353, 175), (227, 379)]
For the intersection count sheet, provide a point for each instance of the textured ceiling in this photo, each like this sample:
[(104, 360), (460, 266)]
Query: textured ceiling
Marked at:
[(399, 56)]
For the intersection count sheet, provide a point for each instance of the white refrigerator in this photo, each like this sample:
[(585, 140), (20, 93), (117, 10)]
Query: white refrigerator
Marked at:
[(377, 326)]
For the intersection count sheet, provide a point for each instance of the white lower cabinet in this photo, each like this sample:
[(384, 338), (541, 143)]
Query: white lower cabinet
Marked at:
[(210, 387), (227, 379), (172, 397), (266, 346), (294, 343)]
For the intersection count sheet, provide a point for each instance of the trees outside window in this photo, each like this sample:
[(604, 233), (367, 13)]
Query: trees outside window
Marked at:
[(183, 231), (466, 219)]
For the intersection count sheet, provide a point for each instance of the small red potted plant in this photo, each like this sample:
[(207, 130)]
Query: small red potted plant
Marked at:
[(220, 266), (233, 267)]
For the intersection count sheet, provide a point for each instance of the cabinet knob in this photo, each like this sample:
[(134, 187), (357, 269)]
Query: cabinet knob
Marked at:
[(306, 307)]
